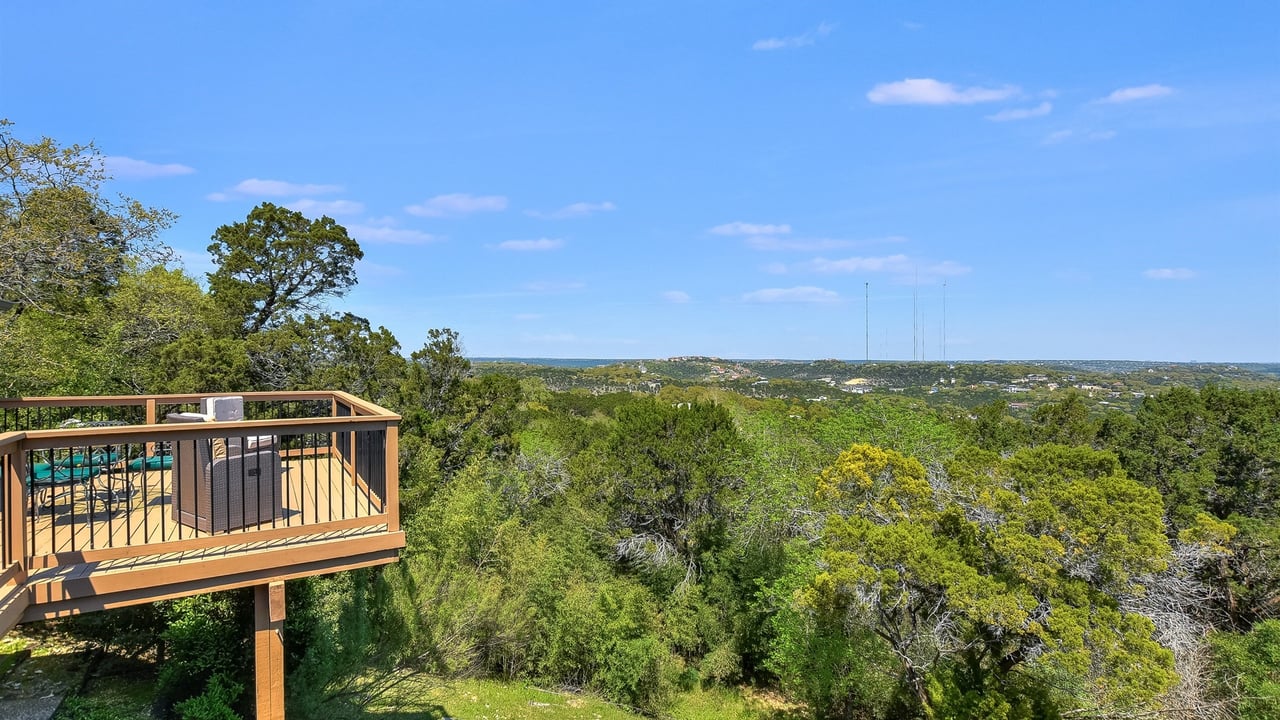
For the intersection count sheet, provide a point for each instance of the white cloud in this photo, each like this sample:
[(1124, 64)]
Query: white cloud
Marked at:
[(455, 204), (676, 296), (776, 268), (800, 294), (541, 244), (391, 235), (254, 187), (126, 168), (308, 206), (1040, 110), (891, 263), (1058, 136), (575, 210), (794, 41), (1141, 92), (1099, 135), (927, 91), (764, 242), (903, 268), (1169, 274), (742, 228)]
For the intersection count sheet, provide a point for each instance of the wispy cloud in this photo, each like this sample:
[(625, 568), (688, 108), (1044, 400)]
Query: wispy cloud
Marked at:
[(308, 206), (539, 245), (913, 26), (1141, 92), (676, 296), (794, 41), (927, 91), (773, 243), (743, 228), (900, 267), (799, 294), (575, 210), (1040, 110), (1169, 274), (255, 187), (391, 235), (457, 204), (890, 263), (126, 168)]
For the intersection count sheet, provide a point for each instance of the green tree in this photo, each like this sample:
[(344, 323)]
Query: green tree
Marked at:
[(436, 373), (1065, 422), (61, 240), (1248, 670), (666, 475), (1006, 569), (995, 429), (461, 417), (277, 264)]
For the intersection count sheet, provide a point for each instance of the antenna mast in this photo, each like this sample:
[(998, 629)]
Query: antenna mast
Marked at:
[(866, 318), (944, 321), (915, 318)]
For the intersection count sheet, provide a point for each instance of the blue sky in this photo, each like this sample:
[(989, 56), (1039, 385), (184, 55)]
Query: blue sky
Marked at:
[(1089, 180)]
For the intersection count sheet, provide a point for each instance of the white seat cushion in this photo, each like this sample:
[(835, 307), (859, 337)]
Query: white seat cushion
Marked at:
[(229, 408)]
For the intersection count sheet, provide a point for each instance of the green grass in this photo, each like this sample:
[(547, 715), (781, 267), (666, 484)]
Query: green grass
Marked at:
[(121, 689), (34, 664), (431, 699)]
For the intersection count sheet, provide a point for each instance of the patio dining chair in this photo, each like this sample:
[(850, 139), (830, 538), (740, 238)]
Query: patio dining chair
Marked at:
[(45, 479)]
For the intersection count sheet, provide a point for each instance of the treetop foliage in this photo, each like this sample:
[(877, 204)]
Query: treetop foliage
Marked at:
[(277, 263)]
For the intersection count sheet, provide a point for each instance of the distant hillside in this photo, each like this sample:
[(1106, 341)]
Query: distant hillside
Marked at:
[(1107, 383)]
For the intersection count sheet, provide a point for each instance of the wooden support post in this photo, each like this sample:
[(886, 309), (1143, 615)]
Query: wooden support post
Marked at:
[(15, 509), (268, 640), (391, 471), (150, 448)]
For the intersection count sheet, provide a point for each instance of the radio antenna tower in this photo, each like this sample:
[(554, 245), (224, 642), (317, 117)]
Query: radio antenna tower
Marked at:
[(915, 318), (866, 318), (944, 321)]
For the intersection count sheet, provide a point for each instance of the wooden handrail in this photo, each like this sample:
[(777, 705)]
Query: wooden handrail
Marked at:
[(118, 434), (363, 406)]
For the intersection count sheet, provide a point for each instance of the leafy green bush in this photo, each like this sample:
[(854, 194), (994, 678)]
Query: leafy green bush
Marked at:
[(208, 636), (215, 703), (1248, 668)]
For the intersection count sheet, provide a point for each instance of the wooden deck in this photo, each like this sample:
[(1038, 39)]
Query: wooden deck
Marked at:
[(131, 509), (113, 541), (113, 538)]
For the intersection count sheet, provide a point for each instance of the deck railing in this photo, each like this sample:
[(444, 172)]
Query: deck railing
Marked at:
[(105, 478)]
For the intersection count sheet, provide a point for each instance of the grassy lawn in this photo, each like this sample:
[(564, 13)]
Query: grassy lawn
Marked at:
[(429, 699), (35, 664)]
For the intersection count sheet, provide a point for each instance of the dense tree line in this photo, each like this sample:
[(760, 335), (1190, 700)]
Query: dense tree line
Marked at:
[(869, 557)]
